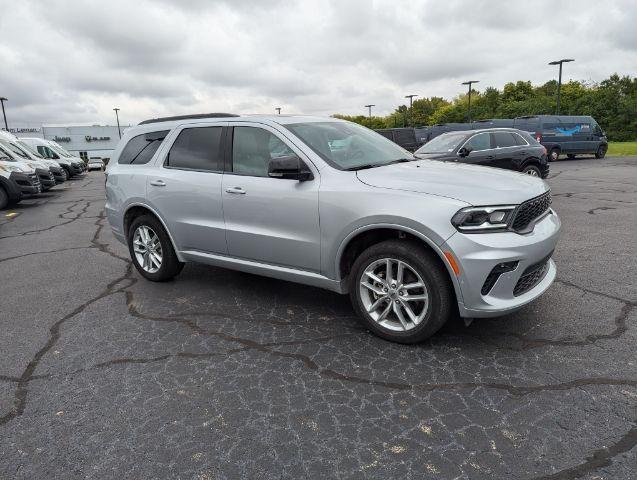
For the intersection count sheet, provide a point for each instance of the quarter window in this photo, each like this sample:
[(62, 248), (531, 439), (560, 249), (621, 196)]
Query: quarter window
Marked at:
[(519, 140), (504, 139), (197, 149), (141, 148), (253, 148), (481, 141)]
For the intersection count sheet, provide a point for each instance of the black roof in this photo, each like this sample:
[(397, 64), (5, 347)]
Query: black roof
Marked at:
[(188, 117)]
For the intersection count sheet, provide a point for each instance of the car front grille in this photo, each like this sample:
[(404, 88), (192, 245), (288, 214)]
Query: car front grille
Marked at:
[(530, 211), (532, 276)]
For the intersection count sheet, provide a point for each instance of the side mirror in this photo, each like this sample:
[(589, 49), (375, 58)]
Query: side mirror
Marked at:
[(464, 151), (290, 167)]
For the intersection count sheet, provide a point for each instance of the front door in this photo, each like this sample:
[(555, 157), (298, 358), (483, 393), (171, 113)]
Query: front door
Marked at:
[(186, 189), (270, 220), (481, 151)]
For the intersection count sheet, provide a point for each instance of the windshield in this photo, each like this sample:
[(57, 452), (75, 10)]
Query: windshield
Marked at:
[(16, 150), (445, 143), (59, 150), (29, 148), (6, 154), (348, 146)]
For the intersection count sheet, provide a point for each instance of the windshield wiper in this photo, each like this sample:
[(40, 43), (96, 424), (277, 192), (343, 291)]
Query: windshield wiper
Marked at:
[(363, 167), (400, 160)]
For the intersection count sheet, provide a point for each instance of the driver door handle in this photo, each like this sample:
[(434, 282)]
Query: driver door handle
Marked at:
[(236, 190), (489, 157), (158, 183)]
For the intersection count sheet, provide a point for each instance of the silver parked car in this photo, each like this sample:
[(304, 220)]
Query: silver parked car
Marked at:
[(332, 204)]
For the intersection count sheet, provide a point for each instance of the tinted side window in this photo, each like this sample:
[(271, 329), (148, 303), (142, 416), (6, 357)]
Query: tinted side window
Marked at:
[(253, 148), (504, 139), (197, 149), (482, 141), (519, 140), (141, 148)]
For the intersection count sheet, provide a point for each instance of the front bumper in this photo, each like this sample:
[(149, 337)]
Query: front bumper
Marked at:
[(28, 183), (47, 180), (58, 174), (77, 168), (478, 254)]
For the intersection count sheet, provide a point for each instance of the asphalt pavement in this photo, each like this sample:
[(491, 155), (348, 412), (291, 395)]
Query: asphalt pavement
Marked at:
[(225, 375)]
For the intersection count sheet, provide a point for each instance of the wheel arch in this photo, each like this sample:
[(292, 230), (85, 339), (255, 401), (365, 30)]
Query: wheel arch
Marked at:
[(364, 237), (134, 210)]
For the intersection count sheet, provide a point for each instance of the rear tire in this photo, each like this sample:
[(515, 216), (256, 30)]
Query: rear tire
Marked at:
[(4, 198), (601, 151), (397, 309), (570, 156), (554, 154), (149, 244)]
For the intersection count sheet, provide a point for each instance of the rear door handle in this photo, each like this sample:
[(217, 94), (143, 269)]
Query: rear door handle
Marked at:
[(489, 157), (236, 190), (158, 183)]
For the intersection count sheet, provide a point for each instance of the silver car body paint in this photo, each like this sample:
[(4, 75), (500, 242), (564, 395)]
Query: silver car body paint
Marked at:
[(298, 231)]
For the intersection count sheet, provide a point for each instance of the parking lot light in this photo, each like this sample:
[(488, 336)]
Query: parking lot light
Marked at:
[(411, 103), (117, 116), (470, 82), (2, 100), (559, 81), (369, 107), (278, 110)]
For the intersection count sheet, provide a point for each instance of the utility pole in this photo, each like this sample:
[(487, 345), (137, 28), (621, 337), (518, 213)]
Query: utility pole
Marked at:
[(278, 110), (411, 112), (559, 81), (117, 116), (370, 113), (2, 100), (470, 82)]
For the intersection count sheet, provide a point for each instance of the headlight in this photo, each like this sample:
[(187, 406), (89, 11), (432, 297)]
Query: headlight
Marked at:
[(483, 219), (10, 168)]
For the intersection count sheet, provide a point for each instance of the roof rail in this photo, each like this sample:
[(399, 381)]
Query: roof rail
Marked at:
[(188, 117)]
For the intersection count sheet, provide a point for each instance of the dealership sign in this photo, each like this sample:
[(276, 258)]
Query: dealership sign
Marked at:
[(25, 130), (62, 139), (96, 139)]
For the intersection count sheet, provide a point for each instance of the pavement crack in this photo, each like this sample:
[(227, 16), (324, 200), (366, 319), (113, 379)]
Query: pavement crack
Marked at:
[(599, 209), (600, 458), (68, 211), (44, 253)]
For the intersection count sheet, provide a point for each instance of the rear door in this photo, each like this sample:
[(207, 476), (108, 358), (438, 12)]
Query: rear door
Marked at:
[(269, 220), (185, 187), (508, 154), (482, 151)]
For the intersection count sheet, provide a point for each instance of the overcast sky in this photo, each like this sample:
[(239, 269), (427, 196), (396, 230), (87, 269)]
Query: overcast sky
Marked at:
[(73, 61)]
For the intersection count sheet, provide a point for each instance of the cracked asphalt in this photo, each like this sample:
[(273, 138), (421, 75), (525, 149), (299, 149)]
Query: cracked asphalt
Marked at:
[(224, 375)]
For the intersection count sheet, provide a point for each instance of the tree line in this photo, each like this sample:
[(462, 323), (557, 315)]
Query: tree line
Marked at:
[(612, 102)]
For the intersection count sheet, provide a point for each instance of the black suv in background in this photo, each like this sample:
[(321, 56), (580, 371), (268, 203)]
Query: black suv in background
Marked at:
[(405, 137), (564, 134), (493, 147)]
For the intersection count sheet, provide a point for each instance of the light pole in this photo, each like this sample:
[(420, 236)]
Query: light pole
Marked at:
[(559, 81), (2, 100), (411, 112), (470, 82), (278, 110), (369, 107), (117, 116)]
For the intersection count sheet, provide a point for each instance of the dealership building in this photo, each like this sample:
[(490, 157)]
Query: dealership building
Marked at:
[(94, 141)]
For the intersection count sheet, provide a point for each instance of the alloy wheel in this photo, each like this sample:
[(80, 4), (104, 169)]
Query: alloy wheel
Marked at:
[(393, 294), (147, 248), (532, 172)]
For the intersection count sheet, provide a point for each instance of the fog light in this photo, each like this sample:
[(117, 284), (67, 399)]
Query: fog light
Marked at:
[(497, 217)]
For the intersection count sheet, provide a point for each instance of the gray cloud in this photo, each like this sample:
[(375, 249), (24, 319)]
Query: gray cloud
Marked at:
[(74, 61)]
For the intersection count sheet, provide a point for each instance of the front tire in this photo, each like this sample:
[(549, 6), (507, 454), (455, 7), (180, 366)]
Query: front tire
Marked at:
[(601, 151), (532, 171), (400, 291), (570, 156), (151, 250)]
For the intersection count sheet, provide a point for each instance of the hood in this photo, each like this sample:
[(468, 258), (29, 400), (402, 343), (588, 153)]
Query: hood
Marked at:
[(475, 185)]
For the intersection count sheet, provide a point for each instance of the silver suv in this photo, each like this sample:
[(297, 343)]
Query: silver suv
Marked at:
[(332, 204)]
